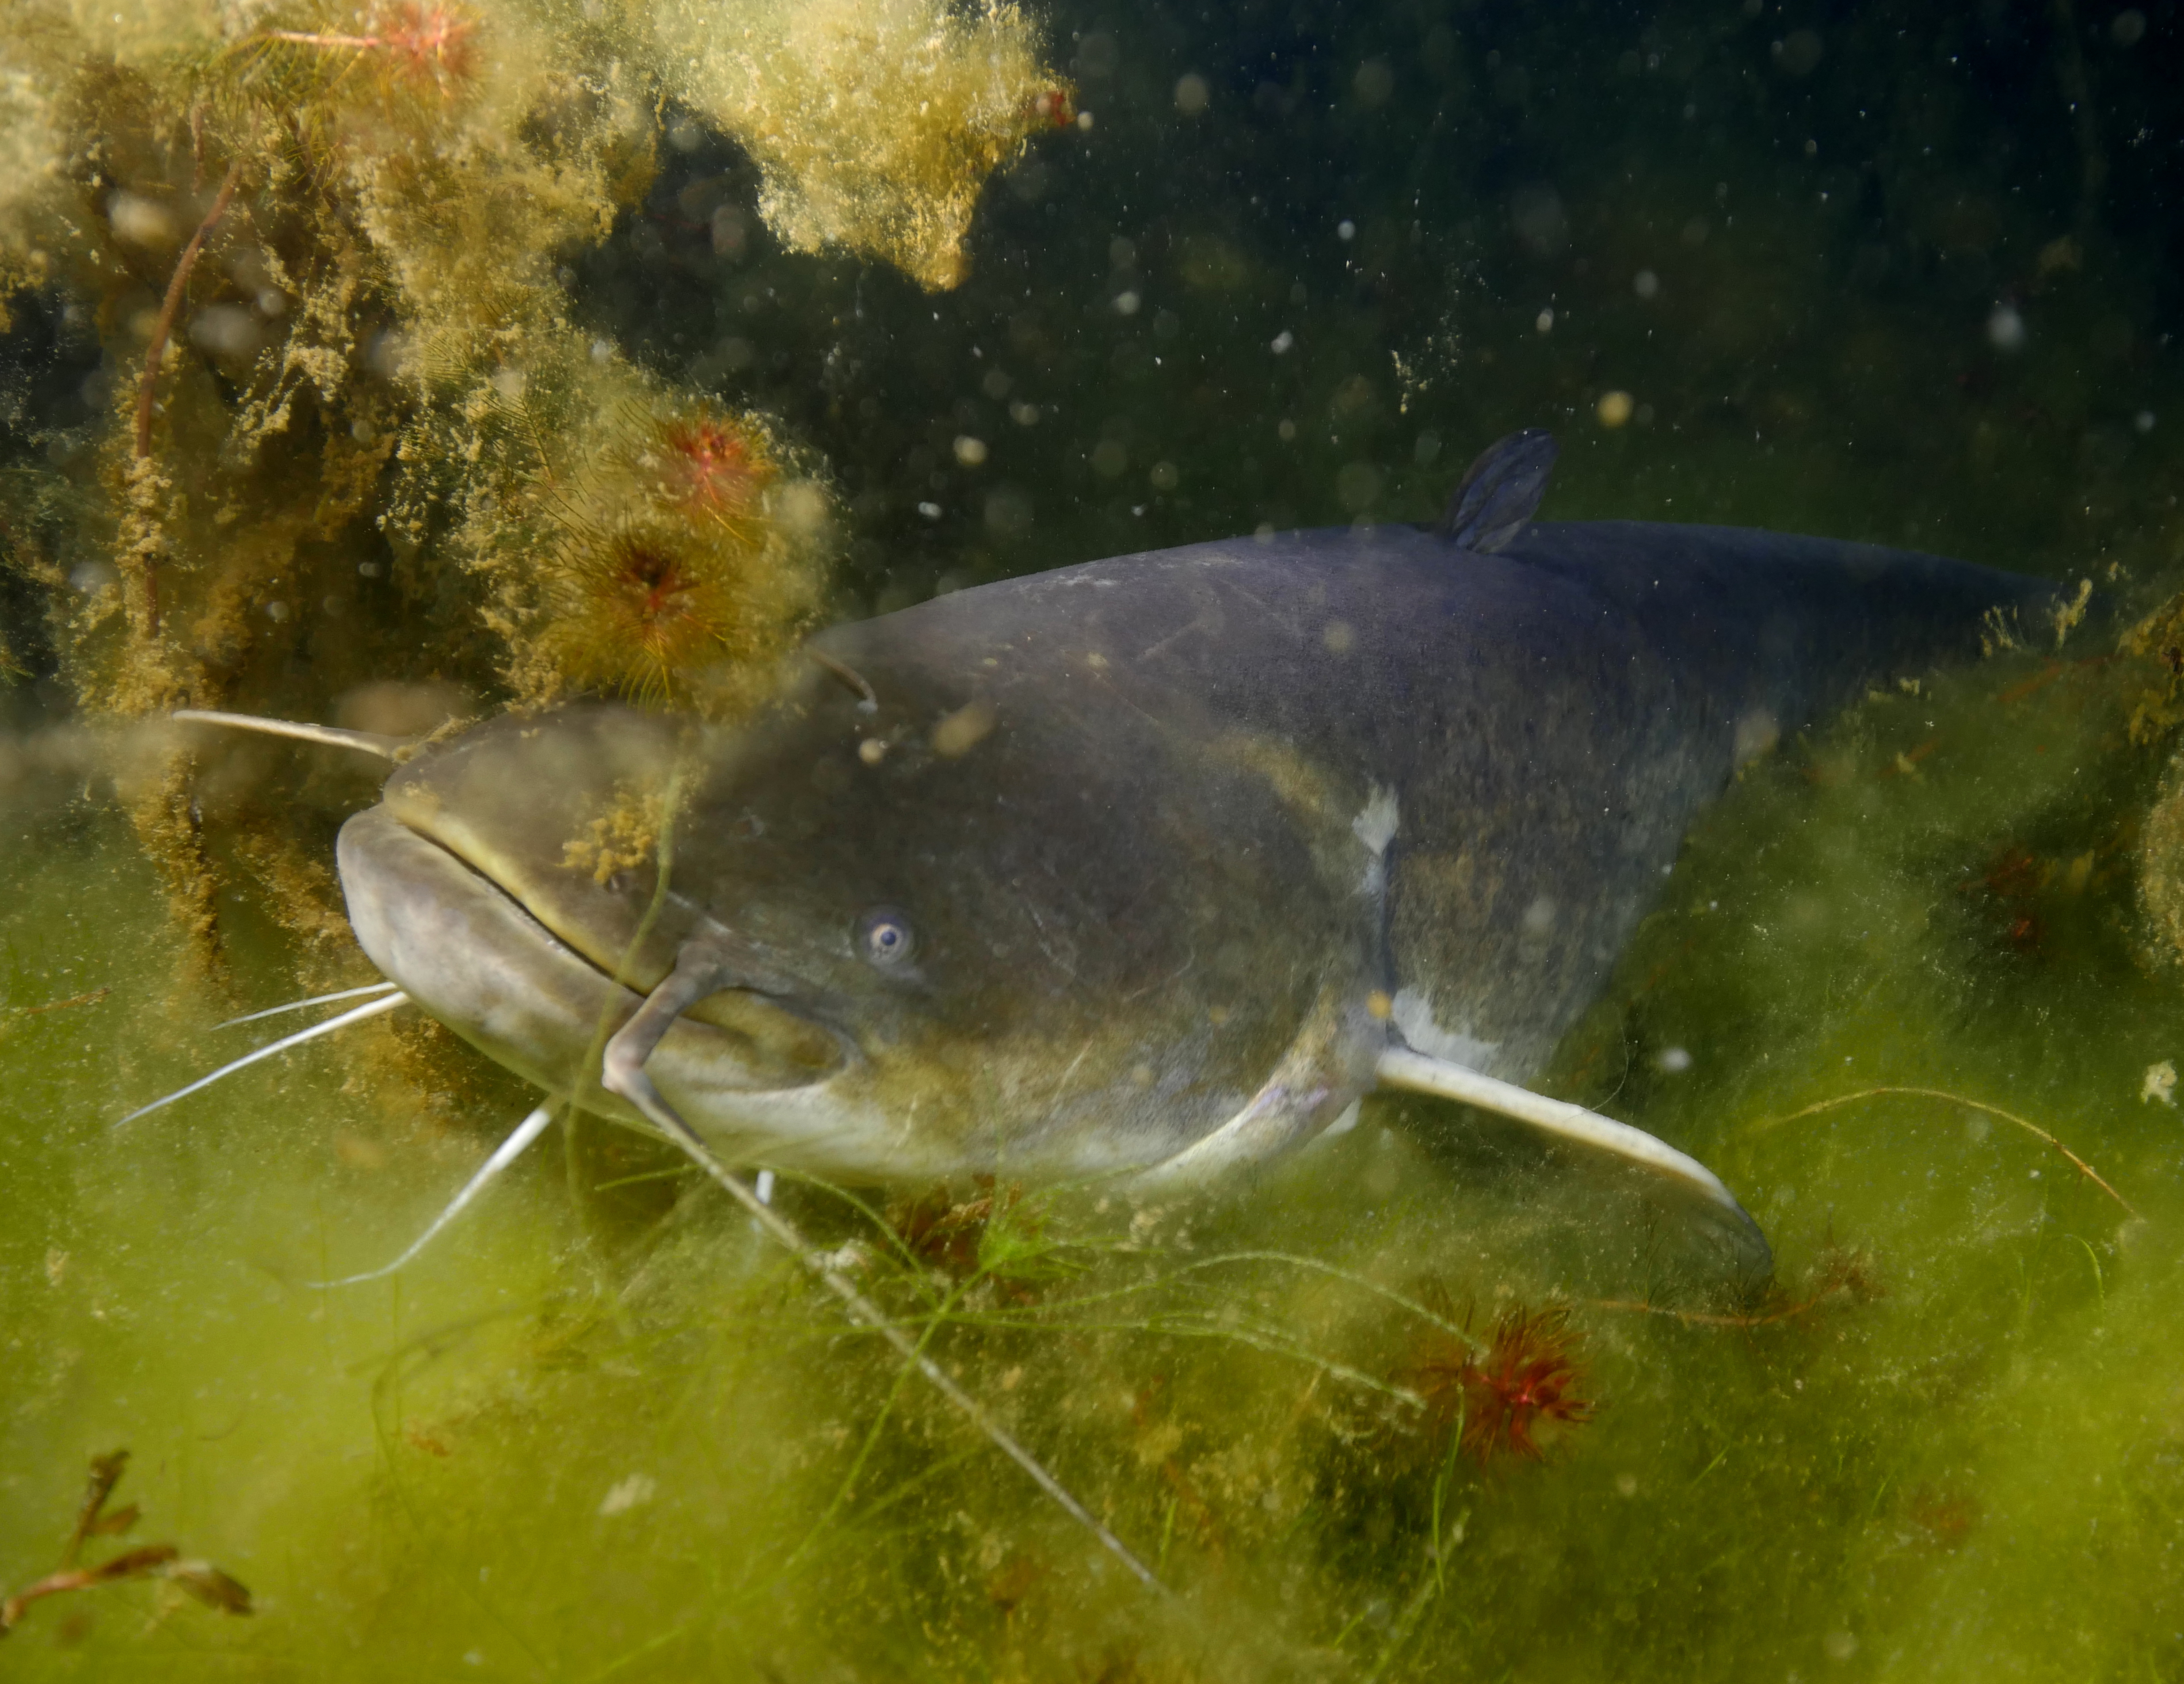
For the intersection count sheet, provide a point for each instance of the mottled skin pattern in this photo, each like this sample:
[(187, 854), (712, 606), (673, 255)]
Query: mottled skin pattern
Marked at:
[(1146, 865)]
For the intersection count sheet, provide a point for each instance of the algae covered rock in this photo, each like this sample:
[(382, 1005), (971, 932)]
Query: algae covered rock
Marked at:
[(347, 424)]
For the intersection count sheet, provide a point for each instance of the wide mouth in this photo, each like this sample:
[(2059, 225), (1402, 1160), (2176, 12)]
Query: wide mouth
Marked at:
[(472, 954)]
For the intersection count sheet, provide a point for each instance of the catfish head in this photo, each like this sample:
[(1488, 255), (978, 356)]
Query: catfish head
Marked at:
[(926, 915)]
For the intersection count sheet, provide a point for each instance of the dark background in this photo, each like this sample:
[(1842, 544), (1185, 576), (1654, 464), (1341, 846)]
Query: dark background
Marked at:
[(1842, 209)]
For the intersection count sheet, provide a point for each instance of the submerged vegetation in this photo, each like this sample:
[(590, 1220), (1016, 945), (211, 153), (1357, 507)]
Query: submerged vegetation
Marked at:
[(1528, 1380), (499, 350), (162, 1562), (363, 435)]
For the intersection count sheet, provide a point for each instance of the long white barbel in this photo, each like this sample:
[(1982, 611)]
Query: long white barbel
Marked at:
[(333, 736), (315, 1000), (370, 1008), (529, 1129)]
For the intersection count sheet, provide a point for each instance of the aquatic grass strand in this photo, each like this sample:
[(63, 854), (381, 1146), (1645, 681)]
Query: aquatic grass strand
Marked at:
[(1263, 1337), (1197, 1265), (932, 1324), (2084, 1168)]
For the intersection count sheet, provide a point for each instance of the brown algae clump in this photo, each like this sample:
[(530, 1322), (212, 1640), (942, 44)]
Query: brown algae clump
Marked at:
[(684, 548), (324, 243), (875, 122)]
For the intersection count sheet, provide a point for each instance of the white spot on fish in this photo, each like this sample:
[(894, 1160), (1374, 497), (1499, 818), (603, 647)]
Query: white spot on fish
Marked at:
[(963, 730), (1540, 915), (1414, 1018), (1757, 734), (1376, 825)]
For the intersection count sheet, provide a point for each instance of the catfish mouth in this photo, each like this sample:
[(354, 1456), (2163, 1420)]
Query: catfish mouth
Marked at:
[(476, 955)]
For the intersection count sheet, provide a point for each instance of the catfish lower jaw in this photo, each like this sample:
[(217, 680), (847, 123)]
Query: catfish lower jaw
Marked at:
[(470, 954)]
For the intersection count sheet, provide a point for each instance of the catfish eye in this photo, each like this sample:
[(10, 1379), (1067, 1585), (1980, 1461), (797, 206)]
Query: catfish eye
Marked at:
[(884, 937)]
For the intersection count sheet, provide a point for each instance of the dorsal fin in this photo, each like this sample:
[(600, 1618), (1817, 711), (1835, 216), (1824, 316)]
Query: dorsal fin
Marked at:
[(1500, 491)]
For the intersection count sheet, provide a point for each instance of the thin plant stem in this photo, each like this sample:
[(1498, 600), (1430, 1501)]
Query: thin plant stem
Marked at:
[(1234, 1333), (2078, 1163), (1716, 1318), (1429, 1589), (147, 383), (303, 38), (912, 1351), (871, 1438)]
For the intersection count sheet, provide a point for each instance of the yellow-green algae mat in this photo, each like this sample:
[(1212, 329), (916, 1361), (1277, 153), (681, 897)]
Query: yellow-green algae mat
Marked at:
[(611, 1434)]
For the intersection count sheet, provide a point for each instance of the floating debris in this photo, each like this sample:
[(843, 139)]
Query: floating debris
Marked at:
[(201, 1579)]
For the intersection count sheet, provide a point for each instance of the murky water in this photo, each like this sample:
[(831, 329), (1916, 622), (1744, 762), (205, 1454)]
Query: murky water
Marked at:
[(1826, 271)]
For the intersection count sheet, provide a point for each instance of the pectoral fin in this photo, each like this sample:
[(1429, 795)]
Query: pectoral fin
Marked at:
[(1401, 1068)]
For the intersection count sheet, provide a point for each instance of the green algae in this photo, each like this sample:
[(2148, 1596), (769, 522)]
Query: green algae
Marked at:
[(602, 1430), (619, 1436)]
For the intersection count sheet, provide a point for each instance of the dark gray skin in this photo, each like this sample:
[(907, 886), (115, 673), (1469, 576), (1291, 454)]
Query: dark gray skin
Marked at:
[(1178, 843)]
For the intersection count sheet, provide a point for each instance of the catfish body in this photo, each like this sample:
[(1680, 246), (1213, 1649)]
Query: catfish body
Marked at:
[(1541, 724), (1153, 865)]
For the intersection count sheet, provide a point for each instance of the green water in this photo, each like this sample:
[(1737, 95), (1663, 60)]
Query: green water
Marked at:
[(618, 1436), (603, 1431)]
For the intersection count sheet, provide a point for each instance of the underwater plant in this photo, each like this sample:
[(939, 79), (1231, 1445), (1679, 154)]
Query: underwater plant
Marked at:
[(946, 1232), (874, 124), (348, 426), (1497, 1401), (200, 1578)]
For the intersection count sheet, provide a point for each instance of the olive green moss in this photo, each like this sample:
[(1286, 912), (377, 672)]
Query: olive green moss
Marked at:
[(602, 1425), (601, 1431)]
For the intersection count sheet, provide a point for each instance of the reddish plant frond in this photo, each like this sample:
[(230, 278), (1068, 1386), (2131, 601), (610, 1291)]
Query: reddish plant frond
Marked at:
[(1528, 1375), (412, 47), (642, 608), (713, 467), (429, 43), (1529, 1371), (1052, 108)]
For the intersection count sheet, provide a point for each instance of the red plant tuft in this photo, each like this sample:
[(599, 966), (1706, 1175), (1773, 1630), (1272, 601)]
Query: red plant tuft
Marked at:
[(416, 47), (1052, 108), (1528, 1371), (428, 42), (944, 1231), (713, 466), (654, 589), (641, 607)]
